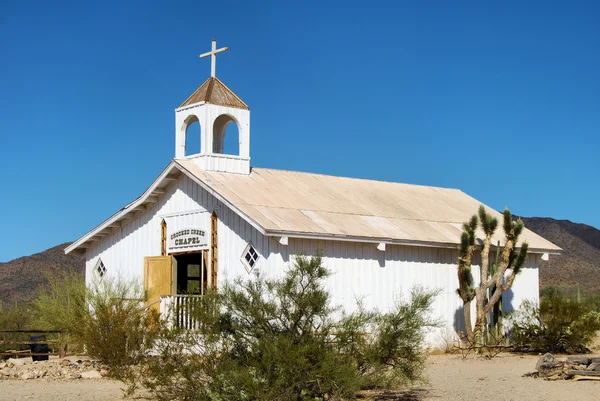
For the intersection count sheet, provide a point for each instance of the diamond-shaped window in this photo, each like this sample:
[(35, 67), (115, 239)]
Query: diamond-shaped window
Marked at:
[(249, 258), (100, 268)]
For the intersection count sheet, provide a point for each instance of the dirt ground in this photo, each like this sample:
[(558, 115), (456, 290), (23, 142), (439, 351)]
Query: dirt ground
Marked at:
[(451, 378), (500, 379)]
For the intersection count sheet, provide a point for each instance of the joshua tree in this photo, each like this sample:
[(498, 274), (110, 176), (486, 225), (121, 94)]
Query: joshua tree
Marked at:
[(491, 285), (497, 321), (466, 290)]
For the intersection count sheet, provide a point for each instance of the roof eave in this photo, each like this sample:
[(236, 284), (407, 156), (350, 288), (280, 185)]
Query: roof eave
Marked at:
[(390, 241), (164, 175)]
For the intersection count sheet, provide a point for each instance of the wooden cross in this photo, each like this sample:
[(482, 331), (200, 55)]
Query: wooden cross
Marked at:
[(213, 56)]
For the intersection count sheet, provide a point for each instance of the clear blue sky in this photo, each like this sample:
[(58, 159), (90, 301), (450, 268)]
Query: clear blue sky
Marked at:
[(501, 101)]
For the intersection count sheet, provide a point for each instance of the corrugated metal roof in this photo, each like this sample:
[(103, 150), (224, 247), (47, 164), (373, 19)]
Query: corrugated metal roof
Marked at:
[(295, 203), (215, 92)]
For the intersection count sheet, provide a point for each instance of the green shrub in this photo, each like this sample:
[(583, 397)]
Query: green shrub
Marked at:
[(279, 339), (115, 326), (387, 348), (592, 300), (14, 317), (62, 305), (108, 318), (559, 324)]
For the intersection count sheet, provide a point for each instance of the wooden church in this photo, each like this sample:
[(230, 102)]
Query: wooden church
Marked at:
[(211, 217)]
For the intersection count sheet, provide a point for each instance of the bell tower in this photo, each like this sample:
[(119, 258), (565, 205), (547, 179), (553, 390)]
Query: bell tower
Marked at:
[(214, 106)]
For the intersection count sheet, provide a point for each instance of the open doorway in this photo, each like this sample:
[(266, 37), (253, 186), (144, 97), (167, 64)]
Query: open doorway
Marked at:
[(192, 273)]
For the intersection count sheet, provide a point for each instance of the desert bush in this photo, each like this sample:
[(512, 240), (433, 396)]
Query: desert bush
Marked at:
[(14, 317), (62, 305), (387, 348), (115, 326), (593, 300), (108, 318), (559, 324), (279, 339)]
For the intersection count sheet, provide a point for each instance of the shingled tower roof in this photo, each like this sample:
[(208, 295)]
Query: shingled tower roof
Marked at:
[(215, 92)]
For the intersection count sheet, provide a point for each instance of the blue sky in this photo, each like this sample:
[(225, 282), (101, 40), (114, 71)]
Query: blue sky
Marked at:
[(501, 101)]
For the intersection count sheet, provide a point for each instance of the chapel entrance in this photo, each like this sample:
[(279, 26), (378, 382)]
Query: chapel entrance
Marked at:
[(192, 273)]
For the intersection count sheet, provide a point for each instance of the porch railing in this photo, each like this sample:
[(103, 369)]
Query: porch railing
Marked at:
[(178, 310)]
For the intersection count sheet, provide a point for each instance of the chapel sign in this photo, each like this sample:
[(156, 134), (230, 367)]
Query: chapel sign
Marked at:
[(188, 238)]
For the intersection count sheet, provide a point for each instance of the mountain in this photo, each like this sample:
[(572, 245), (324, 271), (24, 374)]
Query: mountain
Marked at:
[(20, 277), (579, 264)]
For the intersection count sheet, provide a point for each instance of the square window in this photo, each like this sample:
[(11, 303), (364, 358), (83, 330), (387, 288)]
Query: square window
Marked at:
[(249, 258), (193, 287), (193, 271)]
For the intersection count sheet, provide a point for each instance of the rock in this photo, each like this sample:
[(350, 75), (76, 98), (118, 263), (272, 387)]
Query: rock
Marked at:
[(75, 376), (547, 366), (103, 372), (65, 362), (28, 376), (91, 374), (15, 362), (2, 365), (9, 372), (547, 360)]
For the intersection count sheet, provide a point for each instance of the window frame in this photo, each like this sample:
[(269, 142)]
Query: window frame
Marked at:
[(100, 269), (254, 258)]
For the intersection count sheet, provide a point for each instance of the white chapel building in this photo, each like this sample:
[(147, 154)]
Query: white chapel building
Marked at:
[(211, 217)]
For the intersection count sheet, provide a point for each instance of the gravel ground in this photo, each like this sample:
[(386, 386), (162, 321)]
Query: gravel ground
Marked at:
[(451, 378)]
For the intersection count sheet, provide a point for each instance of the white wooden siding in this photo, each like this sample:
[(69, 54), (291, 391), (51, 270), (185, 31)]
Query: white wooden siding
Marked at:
[(359, 270)]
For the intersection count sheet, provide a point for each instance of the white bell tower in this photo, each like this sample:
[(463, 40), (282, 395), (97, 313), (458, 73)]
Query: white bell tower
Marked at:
[(214, 106)]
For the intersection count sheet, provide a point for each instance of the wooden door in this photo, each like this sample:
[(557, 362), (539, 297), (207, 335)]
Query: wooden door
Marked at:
[(158, 278), (214, 223)]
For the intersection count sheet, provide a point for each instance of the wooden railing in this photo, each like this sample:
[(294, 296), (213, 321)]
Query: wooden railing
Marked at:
[(178, 310), (59, 349)]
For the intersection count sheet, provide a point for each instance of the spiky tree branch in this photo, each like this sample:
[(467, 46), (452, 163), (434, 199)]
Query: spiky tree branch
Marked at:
[(509, 260)]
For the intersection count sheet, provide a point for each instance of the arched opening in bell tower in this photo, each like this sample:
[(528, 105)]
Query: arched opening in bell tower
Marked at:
[(193, 133), (226, 136)]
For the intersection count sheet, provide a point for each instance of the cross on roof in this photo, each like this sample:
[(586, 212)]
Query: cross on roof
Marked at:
[(213, 56)]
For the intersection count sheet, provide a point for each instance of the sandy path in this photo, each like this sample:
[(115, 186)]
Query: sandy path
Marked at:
[(451, 379), (71, 390), (500, 379)]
